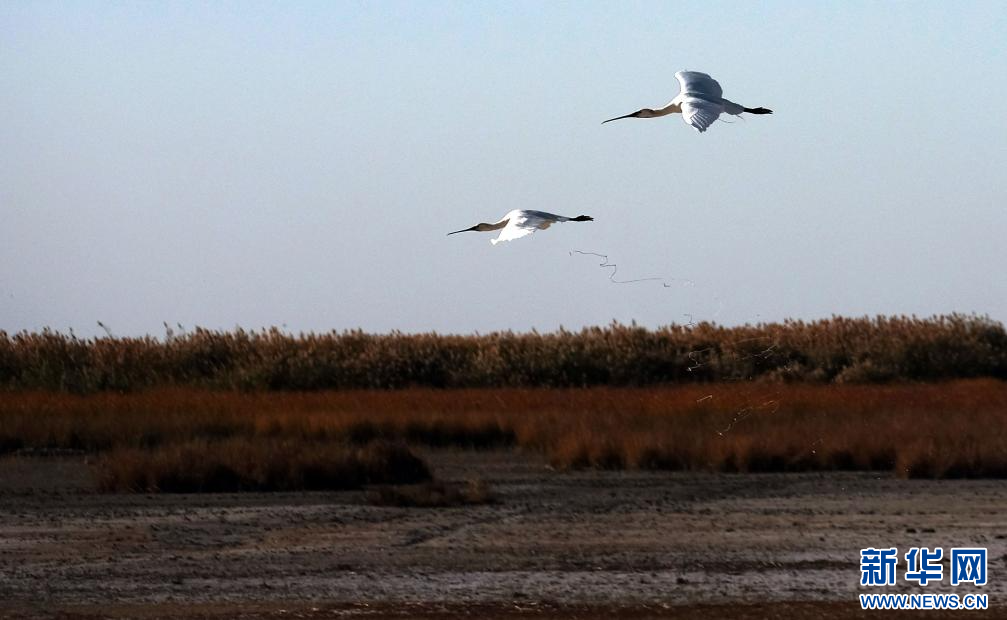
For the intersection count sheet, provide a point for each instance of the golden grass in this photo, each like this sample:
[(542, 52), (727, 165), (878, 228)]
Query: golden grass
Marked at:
[(950, 429), (840, 350)]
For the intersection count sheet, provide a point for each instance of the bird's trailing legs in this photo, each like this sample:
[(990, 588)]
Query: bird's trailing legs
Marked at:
[(758, 111)]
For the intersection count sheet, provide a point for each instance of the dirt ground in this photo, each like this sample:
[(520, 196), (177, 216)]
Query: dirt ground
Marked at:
[(556, 544)]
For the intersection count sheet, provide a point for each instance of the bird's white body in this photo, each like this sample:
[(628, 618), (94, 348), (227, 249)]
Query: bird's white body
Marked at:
[(522, 222), (701, 102)]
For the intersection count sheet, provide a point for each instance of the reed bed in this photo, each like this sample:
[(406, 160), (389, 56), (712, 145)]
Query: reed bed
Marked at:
[(951, 429), (839, 350)]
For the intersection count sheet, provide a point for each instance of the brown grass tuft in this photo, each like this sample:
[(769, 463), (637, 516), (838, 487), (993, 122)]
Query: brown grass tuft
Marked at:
[(432, 495), (242, 465)]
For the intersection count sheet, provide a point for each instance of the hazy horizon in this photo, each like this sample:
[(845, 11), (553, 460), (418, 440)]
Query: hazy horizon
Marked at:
[(259, 165)]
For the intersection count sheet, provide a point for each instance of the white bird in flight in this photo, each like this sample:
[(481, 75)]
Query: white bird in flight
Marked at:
[(521, 222), (701, 102)]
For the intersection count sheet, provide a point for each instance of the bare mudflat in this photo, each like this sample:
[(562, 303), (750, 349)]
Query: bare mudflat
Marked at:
[(593, 544)]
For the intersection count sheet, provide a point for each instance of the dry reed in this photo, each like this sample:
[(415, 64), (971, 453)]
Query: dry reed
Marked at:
[(838, 350)]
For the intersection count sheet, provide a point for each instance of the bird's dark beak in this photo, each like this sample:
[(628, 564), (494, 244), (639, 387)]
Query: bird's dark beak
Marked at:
[(464, 230), (633, 115)]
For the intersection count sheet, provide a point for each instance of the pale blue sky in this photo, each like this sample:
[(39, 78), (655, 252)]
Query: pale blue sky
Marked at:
[(298, 164)]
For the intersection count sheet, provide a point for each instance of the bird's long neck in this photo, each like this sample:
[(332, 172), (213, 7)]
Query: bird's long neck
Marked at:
[(489, 227), (671, 108)]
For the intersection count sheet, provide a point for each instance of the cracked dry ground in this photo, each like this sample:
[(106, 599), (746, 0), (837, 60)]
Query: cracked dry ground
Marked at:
[(557, 544)]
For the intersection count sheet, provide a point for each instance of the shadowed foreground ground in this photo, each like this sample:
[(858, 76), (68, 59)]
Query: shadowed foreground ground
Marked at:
[(585, 545)]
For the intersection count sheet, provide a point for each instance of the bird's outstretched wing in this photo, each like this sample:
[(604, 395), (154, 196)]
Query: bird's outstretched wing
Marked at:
[(515, 229), (699, 85), (700, 113), (539, 220)]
